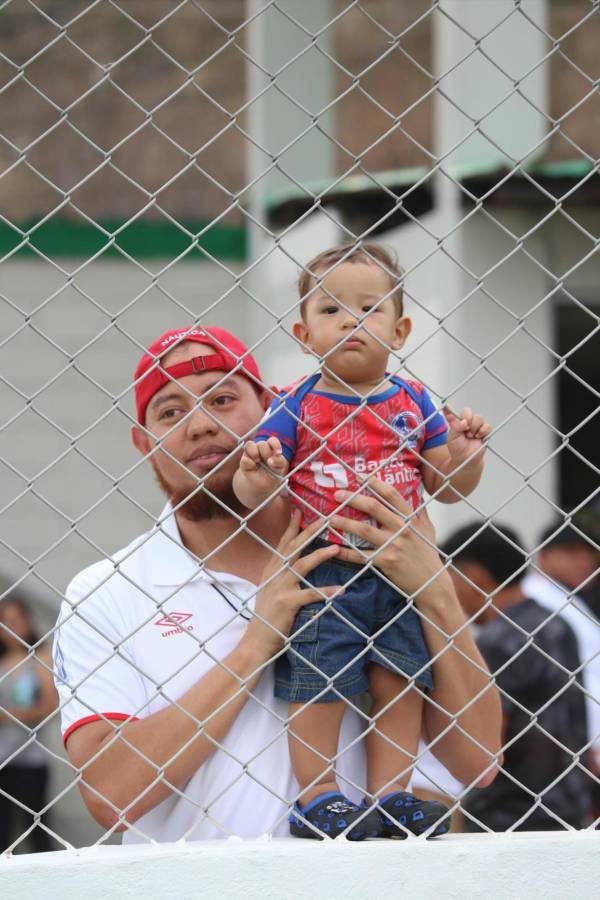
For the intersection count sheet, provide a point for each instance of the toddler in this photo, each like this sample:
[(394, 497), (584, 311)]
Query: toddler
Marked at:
[(354, 419)]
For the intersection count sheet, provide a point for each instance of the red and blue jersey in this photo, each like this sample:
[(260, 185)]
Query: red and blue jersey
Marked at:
[(330, 440)]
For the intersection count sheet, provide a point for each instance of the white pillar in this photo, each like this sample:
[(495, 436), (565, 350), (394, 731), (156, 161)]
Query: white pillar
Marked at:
[(293, 80), (490, 113)]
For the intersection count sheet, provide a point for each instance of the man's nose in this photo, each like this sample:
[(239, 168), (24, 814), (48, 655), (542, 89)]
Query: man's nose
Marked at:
[(200, 422)]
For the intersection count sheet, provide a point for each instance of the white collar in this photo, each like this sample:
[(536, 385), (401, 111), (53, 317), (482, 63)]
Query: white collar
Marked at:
[(169, 563)]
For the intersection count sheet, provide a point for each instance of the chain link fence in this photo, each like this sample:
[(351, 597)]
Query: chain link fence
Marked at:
[(168, 165)]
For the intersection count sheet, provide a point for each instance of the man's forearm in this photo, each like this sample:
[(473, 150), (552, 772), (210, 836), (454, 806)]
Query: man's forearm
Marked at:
[(163, 751), (463, 690)]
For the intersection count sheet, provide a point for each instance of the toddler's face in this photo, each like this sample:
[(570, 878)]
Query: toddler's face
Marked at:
[(344, 313)]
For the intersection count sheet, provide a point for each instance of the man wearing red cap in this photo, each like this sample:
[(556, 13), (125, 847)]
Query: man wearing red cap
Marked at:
[(162, 652)]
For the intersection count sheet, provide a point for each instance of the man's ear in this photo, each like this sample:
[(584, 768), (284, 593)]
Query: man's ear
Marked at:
[(302, 334), (403, 329), (140, 441), (266, 397)]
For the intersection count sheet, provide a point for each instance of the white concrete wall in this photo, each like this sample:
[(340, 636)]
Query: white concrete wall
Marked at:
[(477, 867)]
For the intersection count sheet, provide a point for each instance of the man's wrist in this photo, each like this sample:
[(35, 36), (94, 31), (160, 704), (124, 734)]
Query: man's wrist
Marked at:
[(438, 595), (254, 651)]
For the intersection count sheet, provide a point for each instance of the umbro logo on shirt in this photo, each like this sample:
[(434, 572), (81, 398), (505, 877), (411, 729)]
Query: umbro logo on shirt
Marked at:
[(174, 623)]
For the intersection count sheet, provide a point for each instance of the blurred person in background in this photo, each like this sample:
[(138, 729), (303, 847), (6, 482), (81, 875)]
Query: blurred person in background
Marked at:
[(535, 660), (587, 520), (27, 698), (566, 564), (568, 558)]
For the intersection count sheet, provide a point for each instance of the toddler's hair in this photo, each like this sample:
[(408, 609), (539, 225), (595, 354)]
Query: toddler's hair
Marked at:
[(352, 253)]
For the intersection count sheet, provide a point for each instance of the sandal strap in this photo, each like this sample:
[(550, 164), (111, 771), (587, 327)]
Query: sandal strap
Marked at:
[(331, 815)]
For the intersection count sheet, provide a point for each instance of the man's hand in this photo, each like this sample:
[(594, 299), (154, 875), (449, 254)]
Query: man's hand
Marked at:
[(261, 466), (466, 436), (403, 543), (285, 594)]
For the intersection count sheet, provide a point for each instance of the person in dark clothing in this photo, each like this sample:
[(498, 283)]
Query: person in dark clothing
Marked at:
[(533, 654), (27, 698)]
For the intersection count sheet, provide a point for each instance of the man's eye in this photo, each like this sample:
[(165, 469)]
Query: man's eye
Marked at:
[(169, 413), (223, 400)]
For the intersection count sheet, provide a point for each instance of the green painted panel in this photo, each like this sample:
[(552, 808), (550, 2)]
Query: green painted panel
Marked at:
[(140, 239)]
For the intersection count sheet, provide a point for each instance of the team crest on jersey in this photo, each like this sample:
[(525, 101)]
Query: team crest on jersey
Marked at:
[(409, 427)]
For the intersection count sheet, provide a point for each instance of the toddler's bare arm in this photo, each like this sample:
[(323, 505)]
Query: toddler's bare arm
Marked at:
[(457, 467)]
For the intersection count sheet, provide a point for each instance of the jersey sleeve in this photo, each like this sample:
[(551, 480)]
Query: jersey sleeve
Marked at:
[(436, 427), (281, 421), (93, 670)]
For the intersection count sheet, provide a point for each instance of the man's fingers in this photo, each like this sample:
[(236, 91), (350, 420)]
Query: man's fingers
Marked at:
[(290, 532), (308, 534), (385, 508), (423, 525), (306, 564), (359, 557), (367, 533), (312, 595), (294, 540), (393, 499)]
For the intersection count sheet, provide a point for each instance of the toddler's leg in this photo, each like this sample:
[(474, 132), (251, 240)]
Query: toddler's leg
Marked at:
[(391, 748), (390, 756), (318, 726)]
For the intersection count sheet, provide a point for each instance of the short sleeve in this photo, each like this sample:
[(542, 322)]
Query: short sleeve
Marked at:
[(94, 673), (281, 421), (436, 427)]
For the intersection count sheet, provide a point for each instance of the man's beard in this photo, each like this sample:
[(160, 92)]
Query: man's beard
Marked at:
[(201, 506)]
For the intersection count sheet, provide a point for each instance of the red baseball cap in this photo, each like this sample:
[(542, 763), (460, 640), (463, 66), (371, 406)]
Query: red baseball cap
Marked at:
[(230, 354)]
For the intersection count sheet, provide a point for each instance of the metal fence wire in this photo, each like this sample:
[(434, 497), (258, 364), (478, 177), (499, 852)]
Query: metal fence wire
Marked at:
[(168, 165)]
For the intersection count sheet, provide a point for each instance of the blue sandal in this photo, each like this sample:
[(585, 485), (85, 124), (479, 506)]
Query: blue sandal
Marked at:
[(330, 815), (417, 816)]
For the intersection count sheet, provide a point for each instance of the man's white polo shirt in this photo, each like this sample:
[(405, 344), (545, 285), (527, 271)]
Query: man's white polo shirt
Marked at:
[(135, 633)]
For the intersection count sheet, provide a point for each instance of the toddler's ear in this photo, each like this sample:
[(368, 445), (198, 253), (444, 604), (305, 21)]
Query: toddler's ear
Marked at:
[(302, 334), (403, 329)]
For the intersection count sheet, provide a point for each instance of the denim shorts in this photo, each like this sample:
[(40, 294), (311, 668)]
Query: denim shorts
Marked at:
[(331, 642)]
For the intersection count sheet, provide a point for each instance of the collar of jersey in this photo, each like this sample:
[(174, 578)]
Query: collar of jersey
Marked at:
[(169, 563), (356, 401)]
